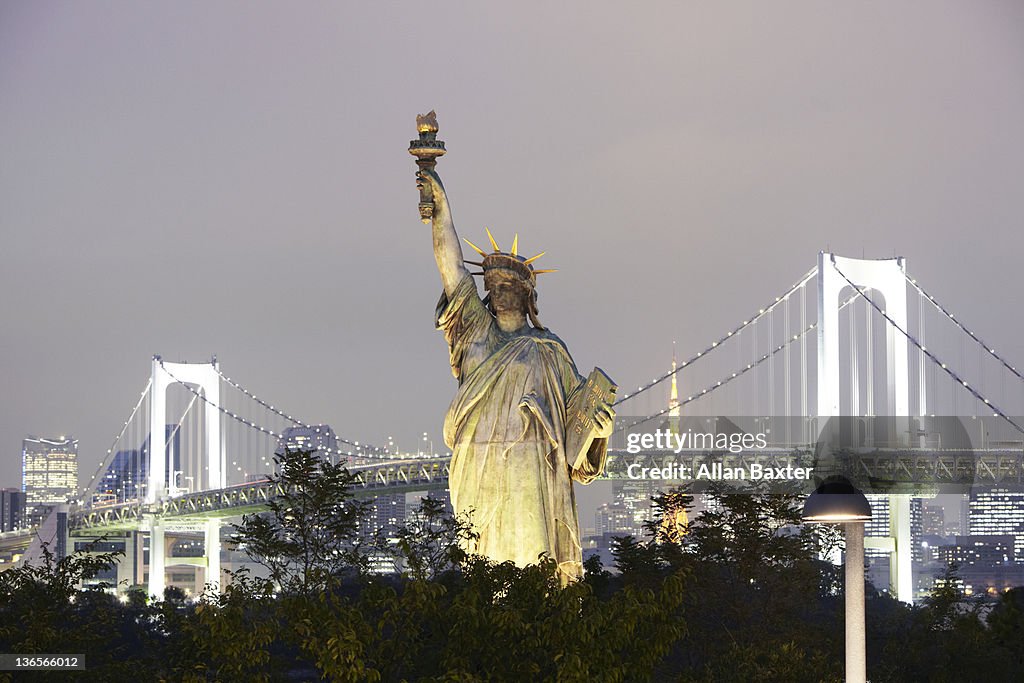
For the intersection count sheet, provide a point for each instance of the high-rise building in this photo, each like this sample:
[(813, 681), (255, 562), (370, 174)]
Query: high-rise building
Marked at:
[(964, 526), (998, 512), (980, 551), (320, 438), (933, 519), (878, 525), (984, 564), (12, 509), (49, 474), (636, 495), (127, 474), (124, 478), (879, 561), (614, 518), (387, 512)]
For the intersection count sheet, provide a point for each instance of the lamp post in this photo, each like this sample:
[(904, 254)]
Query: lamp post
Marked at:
[(836, 501)]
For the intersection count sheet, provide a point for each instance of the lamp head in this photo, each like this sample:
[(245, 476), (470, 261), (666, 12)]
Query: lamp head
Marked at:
[(836, 501)]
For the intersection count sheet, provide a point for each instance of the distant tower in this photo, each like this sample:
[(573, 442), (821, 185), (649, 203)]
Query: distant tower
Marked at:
[(632, 506), (673, 398)]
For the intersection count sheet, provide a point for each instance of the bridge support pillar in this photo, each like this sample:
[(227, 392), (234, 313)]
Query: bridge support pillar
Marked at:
[(157, 561), (213, 553), (138, 540), (126, 565), (901, 560)]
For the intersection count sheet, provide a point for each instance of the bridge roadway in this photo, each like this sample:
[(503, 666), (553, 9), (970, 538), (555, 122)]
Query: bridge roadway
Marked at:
[(396, 476), (918, 469)]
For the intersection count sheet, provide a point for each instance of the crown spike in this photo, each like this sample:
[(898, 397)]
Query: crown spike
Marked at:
[(478, 249), (474, 263), (493, 243), (515, 245), (534, 258), (549, 270)]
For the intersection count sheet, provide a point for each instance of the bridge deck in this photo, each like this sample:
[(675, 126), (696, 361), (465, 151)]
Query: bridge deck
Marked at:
[(920, 468)]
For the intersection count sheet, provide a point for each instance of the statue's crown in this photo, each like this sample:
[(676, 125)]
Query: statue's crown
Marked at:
[(498, 263)]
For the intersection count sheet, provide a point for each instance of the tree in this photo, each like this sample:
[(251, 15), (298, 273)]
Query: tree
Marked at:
[(946, 638), (1006, 623), (55, 579), (639, 562), (224, 636), (754, 596), (42, 611), (433, 541), (311, 534)]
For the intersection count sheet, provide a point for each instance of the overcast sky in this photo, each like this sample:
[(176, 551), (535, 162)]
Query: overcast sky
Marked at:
[(195, 178)]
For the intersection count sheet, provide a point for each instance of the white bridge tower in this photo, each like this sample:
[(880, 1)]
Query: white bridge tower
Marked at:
[(888, 277), (160, 483), (206, 377)]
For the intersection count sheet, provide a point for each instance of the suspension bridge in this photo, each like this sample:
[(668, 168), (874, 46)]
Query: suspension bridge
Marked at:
[(198, 446)]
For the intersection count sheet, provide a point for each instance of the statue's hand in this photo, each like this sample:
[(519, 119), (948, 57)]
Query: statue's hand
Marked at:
[(429, 178), (605, 419)]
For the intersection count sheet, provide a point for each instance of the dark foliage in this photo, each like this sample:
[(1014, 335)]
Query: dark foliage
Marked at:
[(738, 594)]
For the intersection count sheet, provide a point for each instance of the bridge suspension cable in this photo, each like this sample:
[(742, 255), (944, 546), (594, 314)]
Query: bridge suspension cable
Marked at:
[(997, 412), (739, 328), (263, 403), (252, 424), (935, 362), (963, 328), (293, 420), (225, 411), (750, 366), (105, 463)]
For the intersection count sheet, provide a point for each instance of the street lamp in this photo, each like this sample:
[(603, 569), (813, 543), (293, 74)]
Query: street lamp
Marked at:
[(174, 488), (836, 501)]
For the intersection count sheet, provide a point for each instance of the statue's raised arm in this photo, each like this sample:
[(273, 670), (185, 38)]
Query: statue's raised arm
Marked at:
[(447, 250), (434, 206)]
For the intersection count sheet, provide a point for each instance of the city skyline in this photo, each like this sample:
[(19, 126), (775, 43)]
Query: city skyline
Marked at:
[(188, 181)]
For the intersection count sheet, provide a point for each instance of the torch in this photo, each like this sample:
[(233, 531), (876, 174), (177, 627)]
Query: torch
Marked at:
[(426, 150)]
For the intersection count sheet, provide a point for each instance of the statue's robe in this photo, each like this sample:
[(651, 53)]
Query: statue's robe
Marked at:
[(506, 431)]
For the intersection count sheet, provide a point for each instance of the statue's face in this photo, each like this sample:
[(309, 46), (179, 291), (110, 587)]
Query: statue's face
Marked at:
[(508, 296)]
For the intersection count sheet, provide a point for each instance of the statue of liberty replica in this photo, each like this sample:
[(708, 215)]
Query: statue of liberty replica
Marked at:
[(524, 425)]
